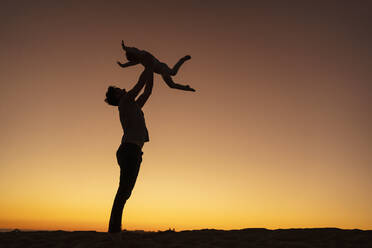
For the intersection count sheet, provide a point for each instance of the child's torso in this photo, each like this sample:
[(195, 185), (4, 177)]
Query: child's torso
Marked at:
[(147, 59)]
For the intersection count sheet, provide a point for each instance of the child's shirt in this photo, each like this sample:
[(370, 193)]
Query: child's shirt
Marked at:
[(147, 59)]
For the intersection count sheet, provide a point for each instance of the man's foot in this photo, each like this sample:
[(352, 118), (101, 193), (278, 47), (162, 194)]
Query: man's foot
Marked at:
[(187, 57), (116, 239)]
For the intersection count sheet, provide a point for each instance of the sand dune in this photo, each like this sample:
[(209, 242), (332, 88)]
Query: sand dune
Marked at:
[(252, 237)]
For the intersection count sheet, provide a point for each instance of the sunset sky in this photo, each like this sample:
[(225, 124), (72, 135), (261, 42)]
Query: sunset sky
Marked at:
[(277, 134)]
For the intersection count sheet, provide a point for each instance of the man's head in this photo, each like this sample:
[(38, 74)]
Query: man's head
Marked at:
[(113, 95)]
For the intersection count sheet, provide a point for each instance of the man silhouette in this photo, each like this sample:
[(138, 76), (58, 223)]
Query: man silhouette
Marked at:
[(129, 153)]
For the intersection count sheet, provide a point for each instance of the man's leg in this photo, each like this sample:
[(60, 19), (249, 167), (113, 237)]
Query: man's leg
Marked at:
[(128, 176)]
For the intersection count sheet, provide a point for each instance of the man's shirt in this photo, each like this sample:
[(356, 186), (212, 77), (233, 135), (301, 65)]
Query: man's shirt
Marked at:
[(132, 121)]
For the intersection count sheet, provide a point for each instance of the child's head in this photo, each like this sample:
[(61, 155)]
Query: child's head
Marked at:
[(132, 54), (113, 95)]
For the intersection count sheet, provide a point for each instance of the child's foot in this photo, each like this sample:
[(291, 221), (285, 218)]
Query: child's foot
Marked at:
[(188, 88), (187, 57)]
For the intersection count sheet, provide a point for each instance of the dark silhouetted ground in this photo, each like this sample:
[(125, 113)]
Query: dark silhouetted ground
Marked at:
[(250, 238)]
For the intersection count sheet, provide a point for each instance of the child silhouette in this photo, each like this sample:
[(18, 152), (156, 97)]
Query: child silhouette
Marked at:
[(136, 56)]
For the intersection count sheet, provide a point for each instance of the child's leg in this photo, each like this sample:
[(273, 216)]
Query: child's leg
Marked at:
[(177, 66), (168, 80)]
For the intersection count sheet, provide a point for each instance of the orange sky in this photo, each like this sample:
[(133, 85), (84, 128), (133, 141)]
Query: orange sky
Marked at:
[(276, 136)]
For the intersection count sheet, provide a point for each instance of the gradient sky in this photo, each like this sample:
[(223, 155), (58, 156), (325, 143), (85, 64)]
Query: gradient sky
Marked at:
[(277, 135)]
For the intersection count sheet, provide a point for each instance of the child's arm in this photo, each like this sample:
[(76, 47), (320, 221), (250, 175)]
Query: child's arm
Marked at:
[(130, 63)]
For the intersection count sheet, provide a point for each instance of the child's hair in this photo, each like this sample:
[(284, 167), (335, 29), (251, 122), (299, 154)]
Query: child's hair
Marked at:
[(131, 56), (111, 98)]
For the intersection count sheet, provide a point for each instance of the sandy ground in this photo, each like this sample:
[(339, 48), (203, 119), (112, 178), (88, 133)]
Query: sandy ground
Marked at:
[(255, 238)]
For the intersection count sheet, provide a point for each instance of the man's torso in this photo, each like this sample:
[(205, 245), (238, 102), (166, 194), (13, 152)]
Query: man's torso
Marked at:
[(133, 122)]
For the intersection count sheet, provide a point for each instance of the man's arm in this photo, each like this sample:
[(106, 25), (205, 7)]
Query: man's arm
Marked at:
[(142, 99), (133, 93), (130, 63)]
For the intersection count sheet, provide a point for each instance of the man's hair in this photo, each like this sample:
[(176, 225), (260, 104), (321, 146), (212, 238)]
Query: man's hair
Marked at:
[(111, 98)]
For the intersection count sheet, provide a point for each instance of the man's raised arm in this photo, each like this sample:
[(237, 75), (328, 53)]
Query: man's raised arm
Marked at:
[(133, 93), (142, 99)]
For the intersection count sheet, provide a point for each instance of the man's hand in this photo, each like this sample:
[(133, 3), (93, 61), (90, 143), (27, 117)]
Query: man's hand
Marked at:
[(144, 77), (149, 77)]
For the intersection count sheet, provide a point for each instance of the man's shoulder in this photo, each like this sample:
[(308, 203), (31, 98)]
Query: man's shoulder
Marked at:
[(125, 100)]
